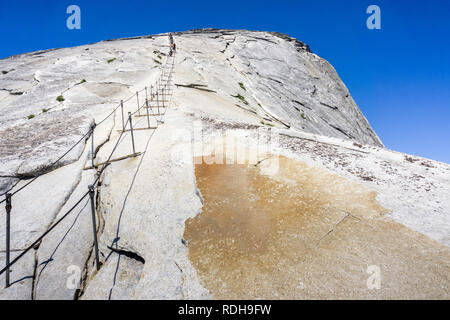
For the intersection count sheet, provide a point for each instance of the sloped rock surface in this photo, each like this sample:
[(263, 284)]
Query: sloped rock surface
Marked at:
[(227, 84), (278, 78)]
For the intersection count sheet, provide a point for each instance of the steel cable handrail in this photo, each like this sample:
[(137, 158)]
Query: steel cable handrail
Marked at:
[(50, 166), (124, 203), (64, 216), (43, 235), (71, 148), (94, 184)]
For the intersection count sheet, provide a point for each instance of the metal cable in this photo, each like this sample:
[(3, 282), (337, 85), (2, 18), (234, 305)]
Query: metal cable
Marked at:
[(44, 234), (115, 241), (55, 162), (46, 262), (119, 140), (50, 166)]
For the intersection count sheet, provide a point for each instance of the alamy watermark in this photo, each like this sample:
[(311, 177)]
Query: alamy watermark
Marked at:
[(374, 281), (246, 146), (74, 278), (73, 22), (374, 20)]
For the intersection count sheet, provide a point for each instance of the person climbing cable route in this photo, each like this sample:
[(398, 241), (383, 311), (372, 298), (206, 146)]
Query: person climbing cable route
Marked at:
[(173, 49), (171, 45)]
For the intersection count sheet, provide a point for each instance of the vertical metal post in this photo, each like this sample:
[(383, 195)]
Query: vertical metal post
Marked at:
[(94, 225), (148, 116), (138, 109), (146, 94), (8, 233), (131, 129), (92, 145), (123, 117), (157, 101)]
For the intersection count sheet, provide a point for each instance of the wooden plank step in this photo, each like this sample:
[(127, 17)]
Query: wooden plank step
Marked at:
[(134, 129), (150, 115), (113, 160)]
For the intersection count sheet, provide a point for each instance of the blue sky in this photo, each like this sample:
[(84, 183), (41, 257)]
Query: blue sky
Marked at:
[(399, 75)]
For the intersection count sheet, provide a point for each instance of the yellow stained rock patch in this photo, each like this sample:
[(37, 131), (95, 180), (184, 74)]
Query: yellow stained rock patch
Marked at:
[(302, 232)]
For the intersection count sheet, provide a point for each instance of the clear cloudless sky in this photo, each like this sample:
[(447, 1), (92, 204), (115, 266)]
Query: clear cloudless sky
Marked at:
[(399, 76)]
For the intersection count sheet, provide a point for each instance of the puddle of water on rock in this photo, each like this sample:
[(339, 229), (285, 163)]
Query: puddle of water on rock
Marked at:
[(282, 235)]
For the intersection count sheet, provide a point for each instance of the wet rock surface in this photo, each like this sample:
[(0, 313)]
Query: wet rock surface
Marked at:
[(304, 233)]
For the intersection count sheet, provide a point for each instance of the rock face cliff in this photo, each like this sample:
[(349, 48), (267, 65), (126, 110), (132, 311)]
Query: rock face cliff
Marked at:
[(284, 81), (275, 77), (351, 202)]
